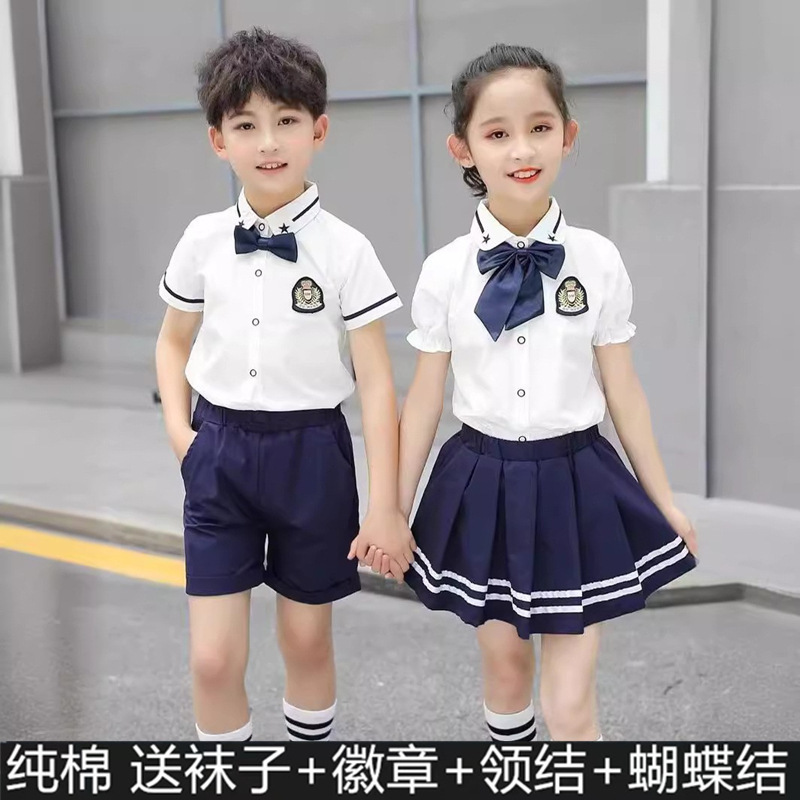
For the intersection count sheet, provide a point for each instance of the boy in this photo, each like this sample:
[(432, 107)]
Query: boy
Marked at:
[(283, 285)]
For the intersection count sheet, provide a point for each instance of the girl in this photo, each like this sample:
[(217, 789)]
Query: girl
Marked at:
[(530, 522)]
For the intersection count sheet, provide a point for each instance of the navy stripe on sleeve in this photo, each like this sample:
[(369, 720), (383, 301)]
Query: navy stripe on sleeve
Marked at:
[(370, 308), (177, 296)]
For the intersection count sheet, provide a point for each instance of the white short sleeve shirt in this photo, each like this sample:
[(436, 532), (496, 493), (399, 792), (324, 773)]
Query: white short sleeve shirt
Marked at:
[(273, 335), (537, 380)]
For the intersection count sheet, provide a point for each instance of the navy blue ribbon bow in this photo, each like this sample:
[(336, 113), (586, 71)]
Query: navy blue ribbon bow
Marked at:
[(514, 293), (247, 240)]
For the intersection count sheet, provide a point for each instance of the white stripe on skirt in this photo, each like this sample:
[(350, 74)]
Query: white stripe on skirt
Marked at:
[(436, 582)]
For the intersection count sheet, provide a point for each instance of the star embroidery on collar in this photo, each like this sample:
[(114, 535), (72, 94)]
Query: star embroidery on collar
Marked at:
[(551, 237), (486, 239), (284, 228)]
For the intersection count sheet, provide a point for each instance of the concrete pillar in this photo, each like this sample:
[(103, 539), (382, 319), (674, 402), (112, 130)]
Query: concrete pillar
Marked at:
[(661, 229), (30, 313)]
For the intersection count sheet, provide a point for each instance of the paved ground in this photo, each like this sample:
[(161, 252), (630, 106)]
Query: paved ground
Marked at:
[(86, 654)]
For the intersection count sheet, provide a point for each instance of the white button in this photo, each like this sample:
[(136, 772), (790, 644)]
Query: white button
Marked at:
[(255, 322), (253, 373), (261, 226), (520, 245), (521, 339), (258, 273), (523, 438), (521, 392)]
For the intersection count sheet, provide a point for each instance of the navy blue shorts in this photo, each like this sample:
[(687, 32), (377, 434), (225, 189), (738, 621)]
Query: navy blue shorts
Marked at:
[(271, 498)]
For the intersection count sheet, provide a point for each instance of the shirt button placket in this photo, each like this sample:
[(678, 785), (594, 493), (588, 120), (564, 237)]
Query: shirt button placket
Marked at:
[(523, 371), (257, 313)]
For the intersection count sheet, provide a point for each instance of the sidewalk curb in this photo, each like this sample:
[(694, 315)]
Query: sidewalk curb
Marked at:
[(166, 543), (103, 529)]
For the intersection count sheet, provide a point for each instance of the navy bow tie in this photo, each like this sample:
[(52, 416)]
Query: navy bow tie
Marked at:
[(514, 294), (247, 240)]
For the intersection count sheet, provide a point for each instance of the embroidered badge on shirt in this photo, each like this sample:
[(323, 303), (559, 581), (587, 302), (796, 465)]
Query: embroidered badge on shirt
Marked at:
[(307, 297), (571, 298)]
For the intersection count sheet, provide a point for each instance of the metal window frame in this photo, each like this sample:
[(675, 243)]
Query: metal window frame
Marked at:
[(415, 94)]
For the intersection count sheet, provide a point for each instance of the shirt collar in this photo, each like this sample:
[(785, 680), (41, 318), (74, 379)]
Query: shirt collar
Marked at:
[(489, 232), (290, 218)]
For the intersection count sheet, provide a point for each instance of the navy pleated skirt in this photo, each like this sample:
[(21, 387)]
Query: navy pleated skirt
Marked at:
[(550, 535)]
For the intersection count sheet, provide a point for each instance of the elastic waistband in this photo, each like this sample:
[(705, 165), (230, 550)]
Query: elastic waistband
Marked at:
[(265, 420), (536, 450)]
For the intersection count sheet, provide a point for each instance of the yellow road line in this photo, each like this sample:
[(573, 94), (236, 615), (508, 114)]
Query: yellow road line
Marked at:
[(132, 564)]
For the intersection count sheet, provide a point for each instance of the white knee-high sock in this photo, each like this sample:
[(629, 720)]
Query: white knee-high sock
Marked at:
[(516, 727), (243, 734), (308, 726)]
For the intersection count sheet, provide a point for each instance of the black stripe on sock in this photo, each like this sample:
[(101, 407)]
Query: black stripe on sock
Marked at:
[(310, 737), (529, 738), (511, 731), (312, 726)]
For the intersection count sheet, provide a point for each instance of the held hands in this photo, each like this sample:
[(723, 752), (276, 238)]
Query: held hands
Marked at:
[(680, 523), (385, 544)]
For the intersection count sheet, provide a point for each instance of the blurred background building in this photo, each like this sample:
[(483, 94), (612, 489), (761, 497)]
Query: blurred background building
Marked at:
[(687, 158)]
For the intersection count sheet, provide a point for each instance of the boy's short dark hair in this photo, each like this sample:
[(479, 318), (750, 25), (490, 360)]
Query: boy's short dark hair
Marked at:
[(257, 61)]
